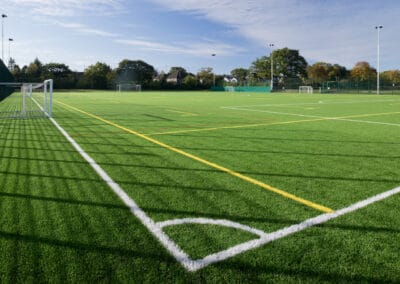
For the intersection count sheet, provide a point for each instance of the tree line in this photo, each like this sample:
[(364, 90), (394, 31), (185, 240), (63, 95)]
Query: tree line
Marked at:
[(101, 76), (288, 68)]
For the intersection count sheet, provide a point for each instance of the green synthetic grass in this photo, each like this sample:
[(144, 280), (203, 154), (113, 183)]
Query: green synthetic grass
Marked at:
[(60, 222)]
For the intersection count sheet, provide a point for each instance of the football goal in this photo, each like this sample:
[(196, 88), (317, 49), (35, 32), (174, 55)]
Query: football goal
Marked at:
[(305, 90), (128, 87), (27, 100)]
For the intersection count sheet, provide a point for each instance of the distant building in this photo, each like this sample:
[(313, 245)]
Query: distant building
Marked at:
[(230, 79), (160, 77), (174, 78)]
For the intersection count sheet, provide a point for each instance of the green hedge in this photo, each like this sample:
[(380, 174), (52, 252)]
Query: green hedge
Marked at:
[(250, 89)]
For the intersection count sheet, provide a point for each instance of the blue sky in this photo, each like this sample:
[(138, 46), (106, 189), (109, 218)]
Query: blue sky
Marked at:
[(185, 33)]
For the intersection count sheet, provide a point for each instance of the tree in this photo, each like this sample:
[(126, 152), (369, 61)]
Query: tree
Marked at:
[(34, 71), (159, 81), (16, 72), (136, 71), (363, 72), (287, 63), (97, 76), (338, 72), (189, 82), (240, 74), (61, 74), (206, 77), (182, 71), (11, 64), (260, 68), (391, 77), (318, 72), (321, 71)]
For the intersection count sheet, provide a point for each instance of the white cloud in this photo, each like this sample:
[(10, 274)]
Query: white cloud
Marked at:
[(68, 7), (335, 31), (85, 29), (205, 48)]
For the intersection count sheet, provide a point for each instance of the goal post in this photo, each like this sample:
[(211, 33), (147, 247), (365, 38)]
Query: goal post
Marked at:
[(33, 100), (48, 97), (306, 90), (129, 87)]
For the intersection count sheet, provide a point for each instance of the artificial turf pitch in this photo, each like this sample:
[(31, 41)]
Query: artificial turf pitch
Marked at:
[(61, 222)]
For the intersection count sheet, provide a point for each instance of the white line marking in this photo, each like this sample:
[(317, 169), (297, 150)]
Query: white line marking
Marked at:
[(216, 257), (178, 253), (313, 116), (171, 246), (206, 221), (323, 102)]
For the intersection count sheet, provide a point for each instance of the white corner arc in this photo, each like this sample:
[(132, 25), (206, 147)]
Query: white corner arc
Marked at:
[(192, 265)]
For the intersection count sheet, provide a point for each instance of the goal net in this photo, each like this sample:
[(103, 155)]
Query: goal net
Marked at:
[(128, 87), (27, 100), (305, 90)]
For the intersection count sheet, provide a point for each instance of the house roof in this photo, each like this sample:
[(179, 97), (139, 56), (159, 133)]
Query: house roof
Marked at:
[(174, 75)]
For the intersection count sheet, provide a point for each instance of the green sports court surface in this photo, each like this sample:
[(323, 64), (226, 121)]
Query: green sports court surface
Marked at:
[(202, 187)]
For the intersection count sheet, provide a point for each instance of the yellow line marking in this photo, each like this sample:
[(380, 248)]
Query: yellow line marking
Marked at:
[(270, 123), (367, 114), (208, 163)]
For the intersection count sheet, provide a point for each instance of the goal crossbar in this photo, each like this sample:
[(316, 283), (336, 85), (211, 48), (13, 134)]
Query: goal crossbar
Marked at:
[(306, 90), (33, 100), (130, 87)]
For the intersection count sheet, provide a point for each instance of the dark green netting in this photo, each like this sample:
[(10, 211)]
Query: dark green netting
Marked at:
[(5, 77)]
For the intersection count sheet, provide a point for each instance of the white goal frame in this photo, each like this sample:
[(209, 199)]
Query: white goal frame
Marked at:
[(129, 87), (306, 90), (36, 99)]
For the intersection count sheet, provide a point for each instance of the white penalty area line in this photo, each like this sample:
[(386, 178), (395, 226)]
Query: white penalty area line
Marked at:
[(193, 265), (342, 118), (320, 102)]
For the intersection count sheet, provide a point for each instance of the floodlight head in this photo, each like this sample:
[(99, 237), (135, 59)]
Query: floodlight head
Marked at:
[(213, 54), (378, 27), (271, 45)]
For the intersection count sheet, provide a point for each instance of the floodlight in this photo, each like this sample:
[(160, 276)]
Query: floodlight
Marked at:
[(378, 28), (271, 45)]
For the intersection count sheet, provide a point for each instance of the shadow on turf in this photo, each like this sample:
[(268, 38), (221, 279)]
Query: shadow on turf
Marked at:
[(385, 180), (62, 200), (85, 246), (93, 247), (71, 150), (63, 177), (277, 139), (290, 153), (255, 272)]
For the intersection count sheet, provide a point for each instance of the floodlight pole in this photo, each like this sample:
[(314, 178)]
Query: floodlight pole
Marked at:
[(271, 46), (213, 55), (2, 35), (378, 28), (9, 51)]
